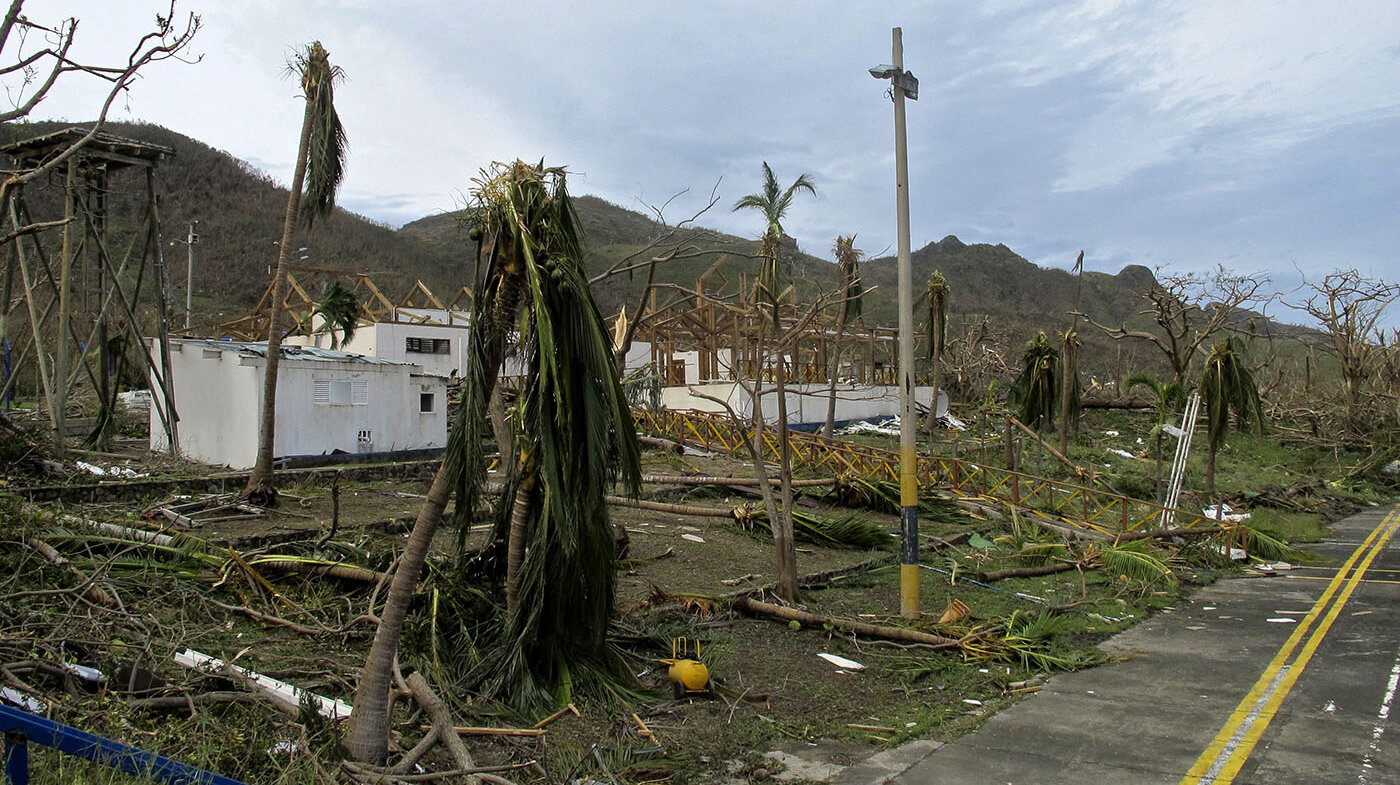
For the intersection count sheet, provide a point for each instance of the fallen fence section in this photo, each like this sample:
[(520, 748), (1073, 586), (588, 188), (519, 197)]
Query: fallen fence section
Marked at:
[(21, 727), (1055, 501)]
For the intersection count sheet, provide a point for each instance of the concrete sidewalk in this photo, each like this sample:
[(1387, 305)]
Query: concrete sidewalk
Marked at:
[(1148, 717)]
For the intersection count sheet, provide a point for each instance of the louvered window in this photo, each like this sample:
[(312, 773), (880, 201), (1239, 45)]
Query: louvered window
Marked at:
[(338, 392)]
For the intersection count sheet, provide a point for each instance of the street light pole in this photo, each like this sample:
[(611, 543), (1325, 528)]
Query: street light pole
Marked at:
[(189, 275), (903, 84)]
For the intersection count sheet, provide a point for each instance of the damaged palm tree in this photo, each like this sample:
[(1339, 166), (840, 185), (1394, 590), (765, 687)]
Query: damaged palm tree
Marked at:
[(320, 167), (549, 566), (848, 259), (1227, 386), (1036, 391), (773, 203)]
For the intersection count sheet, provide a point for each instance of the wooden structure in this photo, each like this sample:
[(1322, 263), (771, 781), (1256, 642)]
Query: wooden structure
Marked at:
[(82, 304), (708, 339), (418, 306)]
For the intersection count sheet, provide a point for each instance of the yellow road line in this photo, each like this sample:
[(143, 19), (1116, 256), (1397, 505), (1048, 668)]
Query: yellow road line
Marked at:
[(1222, 760)]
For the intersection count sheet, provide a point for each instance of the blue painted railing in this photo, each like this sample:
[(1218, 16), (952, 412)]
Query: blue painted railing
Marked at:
[(21, 728)]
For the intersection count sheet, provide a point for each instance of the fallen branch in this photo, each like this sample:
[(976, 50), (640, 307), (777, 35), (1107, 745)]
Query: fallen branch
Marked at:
[(1161, 534), (664, 444), (660, 479), (750, 605), (1024, 572), (317, 567), (556, 715), (675, 509), (188, 702), (90, 588), (442, 722)]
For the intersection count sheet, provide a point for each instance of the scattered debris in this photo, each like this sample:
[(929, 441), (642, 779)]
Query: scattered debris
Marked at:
[(284, 695), (115, 471), (569, 709), (1224, 512), (842, 662), (956, 611)]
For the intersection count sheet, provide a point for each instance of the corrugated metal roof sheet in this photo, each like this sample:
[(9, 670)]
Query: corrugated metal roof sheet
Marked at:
[(289, 352)]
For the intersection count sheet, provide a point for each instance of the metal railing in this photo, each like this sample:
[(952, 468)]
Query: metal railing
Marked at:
[(1056, 501), (22, 728)]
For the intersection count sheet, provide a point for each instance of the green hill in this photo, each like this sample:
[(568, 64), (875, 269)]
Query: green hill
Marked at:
[(239, 211)]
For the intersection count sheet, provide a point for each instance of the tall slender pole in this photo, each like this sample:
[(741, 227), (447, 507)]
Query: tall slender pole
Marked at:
[(189, 276), (908, 457)]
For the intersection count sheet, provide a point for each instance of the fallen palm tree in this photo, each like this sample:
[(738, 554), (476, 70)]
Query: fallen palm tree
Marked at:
[(755, 607), (843, 531), (687, 479)]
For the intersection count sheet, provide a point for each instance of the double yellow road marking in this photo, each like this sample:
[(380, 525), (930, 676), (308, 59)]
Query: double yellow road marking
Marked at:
[(1226, 755)]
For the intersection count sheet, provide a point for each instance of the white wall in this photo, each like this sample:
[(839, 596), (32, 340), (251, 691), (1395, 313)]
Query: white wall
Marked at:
[(219, 401), (218, 394), (806, 403)]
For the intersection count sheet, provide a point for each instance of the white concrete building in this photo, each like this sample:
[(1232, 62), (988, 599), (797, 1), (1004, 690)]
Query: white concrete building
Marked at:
[(327, 402)]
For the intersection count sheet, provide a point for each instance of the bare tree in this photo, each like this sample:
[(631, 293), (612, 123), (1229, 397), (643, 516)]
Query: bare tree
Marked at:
[(1349, 306), (35, 59), (1190, 308)]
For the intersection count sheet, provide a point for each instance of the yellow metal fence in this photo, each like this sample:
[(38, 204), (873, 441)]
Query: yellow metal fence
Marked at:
[(1055, 501)]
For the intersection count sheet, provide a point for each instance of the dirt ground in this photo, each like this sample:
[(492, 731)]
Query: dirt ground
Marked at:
[(774, 691)]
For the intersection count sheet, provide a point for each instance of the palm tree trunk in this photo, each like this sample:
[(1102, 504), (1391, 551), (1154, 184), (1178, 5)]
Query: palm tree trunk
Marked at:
[(260, 489), (367, 741), (1210, 468), (932, 422), (835, 367), (1159, 467), (519, 521)]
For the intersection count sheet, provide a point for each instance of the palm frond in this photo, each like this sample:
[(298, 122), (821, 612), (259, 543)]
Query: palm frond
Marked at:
[(936, 323), (1036, 391), (576, 435), (328, 145), (1266, 545), (1135, 561), (340, 310)]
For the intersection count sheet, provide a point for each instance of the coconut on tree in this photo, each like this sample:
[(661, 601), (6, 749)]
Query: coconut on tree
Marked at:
[(320, 167)]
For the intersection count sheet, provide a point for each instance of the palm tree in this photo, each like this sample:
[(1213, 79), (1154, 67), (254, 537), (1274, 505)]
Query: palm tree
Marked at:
[(320, 167), (773, 203), (1036, 390), (936, 298), (1227, 386), (551, 554), (340, 310), (848, 259), (1170, 398)]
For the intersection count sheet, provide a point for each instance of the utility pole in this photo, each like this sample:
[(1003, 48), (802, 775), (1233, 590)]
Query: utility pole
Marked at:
[(903, 84), (189, 275)]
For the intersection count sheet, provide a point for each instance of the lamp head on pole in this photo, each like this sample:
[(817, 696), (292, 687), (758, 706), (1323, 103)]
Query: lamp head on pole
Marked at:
[(903, 80)]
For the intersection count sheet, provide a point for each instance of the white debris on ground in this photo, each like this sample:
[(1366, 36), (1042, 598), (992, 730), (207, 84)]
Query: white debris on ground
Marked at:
[(115, 471), (1224, 512), (1120, 453), (842, 662), (135, 400), (889, 426)]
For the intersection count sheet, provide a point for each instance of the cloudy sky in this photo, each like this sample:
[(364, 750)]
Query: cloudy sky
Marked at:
[(1258, 134)]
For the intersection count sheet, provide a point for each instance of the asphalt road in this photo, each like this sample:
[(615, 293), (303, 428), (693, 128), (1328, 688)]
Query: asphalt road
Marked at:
[(1280, 680)]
